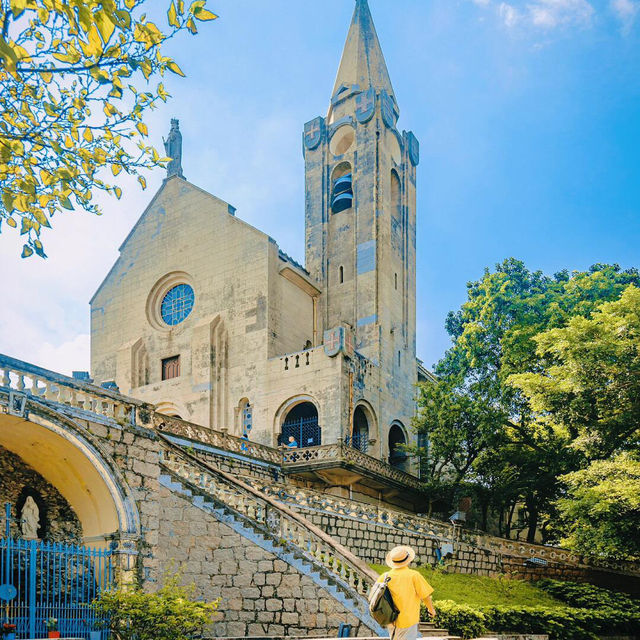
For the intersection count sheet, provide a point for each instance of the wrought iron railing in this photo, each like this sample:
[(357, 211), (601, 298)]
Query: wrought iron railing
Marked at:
[(358, 441), (276, 519), (43, 580), (306, 432)]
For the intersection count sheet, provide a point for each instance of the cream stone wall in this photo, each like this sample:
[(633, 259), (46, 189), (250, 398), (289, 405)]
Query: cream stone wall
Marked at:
[(256, 309), (223, 343)]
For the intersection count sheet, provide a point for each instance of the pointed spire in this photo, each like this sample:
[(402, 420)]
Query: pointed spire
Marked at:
[(362, 62)]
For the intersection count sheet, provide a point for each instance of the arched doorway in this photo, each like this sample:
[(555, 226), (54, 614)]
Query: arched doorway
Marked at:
[(361, 428), (397, 438), (300, 427)]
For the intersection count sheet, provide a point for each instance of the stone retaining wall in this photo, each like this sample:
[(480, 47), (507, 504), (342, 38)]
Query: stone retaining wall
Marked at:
[(260, 594), (371, 542)]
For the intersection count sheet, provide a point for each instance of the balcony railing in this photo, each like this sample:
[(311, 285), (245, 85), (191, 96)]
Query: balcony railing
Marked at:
[(340, 453)]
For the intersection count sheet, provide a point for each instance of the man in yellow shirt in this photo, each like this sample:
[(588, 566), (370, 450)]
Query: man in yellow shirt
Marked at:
[(408, 589)]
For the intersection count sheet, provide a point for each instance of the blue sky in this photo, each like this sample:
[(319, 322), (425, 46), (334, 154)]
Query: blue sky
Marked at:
[(528, 114)]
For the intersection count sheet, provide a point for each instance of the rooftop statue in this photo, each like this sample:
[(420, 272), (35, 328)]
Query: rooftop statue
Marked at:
[(173, 150)]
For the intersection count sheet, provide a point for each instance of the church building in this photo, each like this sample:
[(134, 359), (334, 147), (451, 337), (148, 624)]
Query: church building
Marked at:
[(207, 318)]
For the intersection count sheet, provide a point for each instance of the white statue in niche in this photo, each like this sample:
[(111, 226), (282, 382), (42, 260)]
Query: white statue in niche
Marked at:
[(30, 519)]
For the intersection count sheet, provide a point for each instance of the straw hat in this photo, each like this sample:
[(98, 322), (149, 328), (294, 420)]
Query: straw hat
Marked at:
[(400, 557)]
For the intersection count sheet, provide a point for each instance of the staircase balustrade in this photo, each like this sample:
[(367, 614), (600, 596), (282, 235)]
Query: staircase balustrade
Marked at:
[(282, 523)]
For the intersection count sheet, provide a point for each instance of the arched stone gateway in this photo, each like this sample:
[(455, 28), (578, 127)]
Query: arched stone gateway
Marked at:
[(69, 458)]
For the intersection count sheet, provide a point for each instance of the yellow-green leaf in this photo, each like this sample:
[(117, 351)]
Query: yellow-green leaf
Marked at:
[(27, 251), (66, 203), (142, 181), (12, 223), (116, 169), (18, 7), (41, 218), (204, 14), (142, 128), (172, 66), (87, 135), (172, 15), (118, 192)]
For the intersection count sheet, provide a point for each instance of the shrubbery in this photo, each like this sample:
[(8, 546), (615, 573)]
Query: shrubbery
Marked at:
[(170, 613), (588, 595), (461, 620), (594, 612)]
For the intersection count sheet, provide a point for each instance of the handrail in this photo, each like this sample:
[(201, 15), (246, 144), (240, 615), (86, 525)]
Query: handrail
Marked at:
[(292, 526), (430, 527), (55, 387), (219, 439), (31, 370)]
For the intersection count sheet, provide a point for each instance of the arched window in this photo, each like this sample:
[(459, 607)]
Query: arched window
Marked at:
[(397, 438), (396, 280), (341, 275), (247, 418), (300, 427), (360, 439), (342, 188)]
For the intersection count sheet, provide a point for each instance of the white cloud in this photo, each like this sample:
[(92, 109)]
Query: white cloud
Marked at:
[(482, 3), (548, 14), (626, 11), (508, 14), (66, 357)]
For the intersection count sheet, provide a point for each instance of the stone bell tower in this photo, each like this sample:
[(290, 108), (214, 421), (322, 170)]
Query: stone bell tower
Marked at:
[(361, 211)]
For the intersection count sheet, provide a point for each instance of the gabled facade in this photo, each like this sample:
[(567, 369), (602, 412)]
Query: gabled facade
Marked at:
[(205, 317)]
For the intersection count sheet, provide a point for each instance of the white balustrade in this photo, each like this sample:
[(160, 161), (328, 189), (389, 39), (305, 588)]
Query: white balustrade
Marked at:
[(279, 523), (53, 387)]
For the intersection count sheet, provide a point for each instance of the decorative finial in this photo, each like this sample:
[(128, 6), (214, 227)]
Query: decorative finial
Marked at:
[(173, 149)]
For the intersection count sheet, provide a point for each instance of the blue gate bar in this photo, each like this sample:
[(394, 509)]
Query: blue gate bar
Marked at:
[(54, 580)]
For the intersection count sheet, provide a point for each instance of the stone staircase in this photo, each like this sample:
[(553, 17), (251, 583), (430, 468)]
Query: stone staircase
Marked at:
[(275, 527), (272, 526)]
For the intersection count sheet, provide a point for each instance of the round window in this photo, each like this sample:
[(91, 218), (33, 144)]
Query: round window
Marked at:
[(177, 304)]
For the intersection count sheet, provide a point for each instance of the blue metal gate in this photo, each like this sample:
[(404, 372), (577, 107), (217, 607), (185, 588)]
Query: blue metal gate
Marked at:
[(305, 431), (51, 580)]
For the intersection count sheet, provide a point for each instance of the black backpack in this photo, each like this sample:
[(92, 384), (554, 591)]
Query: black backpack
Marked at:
[(381, 604)]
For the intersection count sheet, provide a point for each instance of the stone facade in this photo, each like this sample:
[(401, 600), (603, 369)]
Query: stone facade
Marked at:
[(263, 336)]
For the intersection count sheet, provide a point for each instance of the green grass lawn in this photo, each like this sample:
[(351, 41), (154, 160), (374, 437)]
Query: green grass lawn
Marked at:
[(482, 591)]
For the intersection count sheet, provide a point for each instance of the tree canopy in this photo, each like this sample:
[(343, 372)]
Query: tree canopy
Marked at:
[(478, 416), (601, 509), (75, 86), (588, 387)]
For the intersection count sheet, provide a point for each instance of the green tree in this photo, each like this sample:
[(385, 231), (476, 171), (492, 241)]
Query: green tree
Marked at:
[(75, 85), (601, 509), (493, 338), (170, 613), (589, 387)]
